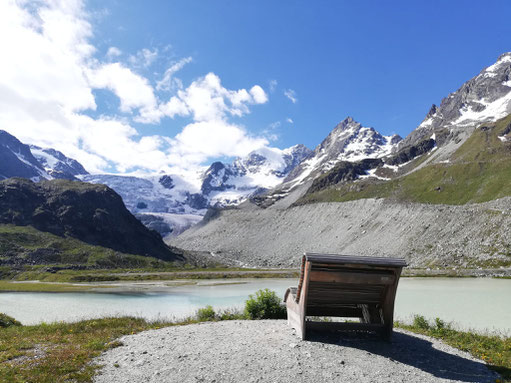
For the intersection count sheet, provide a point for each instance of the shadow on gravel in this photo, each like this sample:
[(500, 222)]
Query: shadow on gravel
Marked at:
[(410, 350)]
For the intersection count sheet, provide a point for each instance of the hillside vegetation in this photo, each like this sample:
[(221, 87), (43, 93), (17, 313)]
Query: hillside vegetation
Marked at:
[(479, 171), (92, 214), (25, 245)]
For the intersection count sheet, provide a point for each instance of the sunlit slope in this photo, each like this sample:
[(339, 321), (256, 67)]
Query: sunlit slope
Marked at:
[(479, 171)]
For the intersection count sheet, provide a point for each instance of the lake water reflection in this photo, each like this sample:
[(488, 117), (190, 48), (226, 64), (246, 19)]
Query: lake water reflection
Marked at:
[(478, 303)]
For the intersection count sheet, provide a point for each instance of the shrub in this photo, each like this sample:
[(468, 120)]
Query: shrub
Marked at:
[(420, 322), (206, 314), (440, 324), (264, 305), (7, 321), (231, 314)]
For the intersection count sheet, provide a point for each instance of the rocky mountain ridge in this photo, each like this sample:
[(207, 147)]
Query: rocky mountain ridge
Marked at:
[(440, 197), (94, 214)]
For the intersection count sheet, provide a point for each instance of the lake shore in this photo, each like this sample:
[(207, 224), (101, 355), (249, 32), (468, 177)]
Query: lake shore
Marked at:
[(155, 281)]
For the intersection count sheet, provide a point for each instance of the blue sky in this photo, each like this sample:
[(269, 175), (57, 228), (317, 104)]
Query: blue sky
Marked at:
[(383, 63)]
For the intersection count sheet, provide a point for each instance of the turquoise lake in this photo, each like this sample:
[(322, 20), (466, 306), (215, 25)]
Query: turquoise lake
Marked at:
[(476, 303)]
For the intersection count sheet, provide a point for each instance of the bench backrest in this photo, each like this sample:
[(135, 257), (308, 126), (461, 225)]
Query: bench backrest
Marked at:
[(336, 285)]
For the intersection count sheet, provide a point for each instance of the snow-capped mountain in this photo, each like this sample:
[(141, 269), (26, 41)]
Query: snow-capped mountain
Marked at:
[(165, 203), (348, 141), (484, 98), (16, 160), (231, 184), (170, 204), (56, 164), (33, 162)]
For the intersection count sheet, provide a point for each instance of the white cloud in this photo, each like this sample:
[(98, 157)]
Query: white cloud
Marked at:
[(206, 139), (113, 52), (291, 94), (143, 58), (207, 99), (289, 120), (48, 74), (168, 80), (273, 85), (133, 90), (258, 94), (274, 125)]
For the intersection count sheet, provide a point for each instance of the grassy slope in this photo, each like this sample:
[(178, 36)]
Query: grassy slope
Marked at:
[(479, 171), (20, 241)]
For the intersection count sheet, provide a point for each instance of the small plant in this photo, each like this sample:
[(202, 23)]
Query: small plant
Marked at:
[(206, 314), (7, 321), (440, 324), (231, 314), (264, 305), (420, 322)]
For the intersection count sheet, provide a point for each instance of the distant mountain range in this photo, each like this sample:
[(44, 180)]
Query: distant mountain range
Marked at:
[(358, 157), (362, 193), (93, 214)]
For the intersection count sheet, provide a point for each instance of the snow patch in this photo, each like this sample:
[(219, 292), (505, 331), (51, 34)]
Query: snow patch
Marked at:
[(427, 122), (493, 68), (492, 111), (372, 173)]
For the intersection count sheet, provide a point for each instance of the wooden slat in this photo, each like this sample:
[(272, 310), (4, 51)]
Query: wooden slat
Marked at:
[(350, 277), (346, 286), (332, 311), (350, 259), (341, 326), (304, 297)]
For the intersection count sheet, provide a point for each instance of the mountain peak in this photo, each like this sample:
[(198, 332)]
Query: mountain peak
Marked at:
[(486, 97), (57, 164), (348, 122), (349, 141)]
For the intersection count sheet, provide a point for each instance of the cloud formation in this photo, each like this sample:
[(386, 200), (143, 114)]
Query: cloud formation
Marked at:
[(291, 94), (49, 77)]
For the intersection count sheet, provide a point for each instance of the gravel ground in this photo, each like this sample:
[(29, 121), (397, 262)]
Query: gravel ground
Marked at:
[(426, 235), (269, 351)]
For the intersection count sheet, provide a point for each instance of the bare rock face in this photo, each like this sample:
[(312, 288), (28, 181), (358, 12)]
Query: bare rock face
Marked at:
[(349, 141), (486, 97), (56, 164), (94, 214), (16, 159)]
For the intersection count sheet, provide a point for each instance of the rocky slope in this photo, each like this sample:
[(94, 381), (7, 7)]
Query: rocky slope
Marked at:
[(426, 235), (16, 160), (33, 162), (56, 164), (263, 169), (484, 98), (94, 214), (349, 141), (459, 155)]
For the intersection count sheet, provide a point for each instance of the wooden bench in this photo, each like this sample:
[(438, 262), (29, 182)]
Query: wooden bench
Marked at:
[(333, 285)]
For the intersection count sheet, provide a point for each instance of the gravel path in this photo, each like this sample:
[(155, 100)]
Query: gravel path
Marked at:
[(269, 351)]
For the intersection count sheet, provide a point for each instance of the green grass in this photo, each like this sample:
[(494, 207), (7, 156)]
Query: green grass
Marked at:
[(41, 287), (493, 349), (479, 171), (61, 352), (18, 242)]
